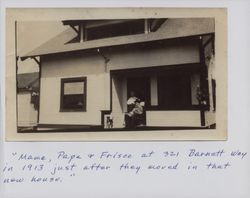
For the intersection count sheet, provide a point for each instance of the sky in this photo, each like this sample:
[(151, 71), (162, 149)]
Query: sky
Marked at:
[(31, 35)]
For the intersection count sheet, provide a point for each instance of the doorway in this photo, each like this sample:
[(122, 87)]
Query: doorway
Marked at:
[(141, 88)]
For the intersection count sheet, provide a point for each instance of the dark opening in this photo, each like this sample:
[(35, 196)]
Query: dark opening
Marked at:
[(174, 90), (141, 88), (74, 101), (121, 29)]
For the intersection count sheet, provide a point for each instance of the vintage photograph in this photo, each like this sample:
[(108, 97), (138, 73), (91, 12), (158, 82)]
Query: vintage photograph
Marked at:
[(118, 74), (129, 74)]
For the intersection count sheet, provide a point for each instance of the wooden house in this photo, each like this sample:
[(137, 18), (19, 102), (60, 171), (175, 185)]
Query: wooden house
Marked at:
[(88, 71)]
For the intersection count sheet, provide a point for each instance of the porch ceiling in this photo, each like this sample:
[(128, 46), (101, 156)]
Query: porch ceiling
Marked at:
[(190, 67)]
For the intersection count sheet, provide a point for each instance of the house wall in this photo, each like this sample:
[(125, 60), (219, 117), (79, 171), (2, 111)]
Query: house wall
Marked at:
[(92, 66), (173, 118), (160, 56), (27, 115), (55, 68)]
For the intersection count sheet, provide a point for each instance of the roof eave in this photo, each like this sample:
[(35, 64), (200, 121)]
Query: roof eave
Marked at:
[(111, 45)]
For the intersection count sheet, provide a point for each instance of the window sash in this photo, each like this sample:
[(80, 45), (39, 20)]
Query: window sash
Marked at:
[(71, 88), (73, 94)]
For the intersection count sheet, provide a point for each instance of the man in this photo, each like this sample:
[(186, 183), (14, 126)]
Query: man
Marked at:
[(135, 109), (131, 101)]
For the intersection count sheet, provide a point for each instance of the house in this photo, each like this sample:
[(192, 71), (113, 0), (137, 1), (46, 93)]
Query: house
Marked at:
[(27, 100), (88, 71)]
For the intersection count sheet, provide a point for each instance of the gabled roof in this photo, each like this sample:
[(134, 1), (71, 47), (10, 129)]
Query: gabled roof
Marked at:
[(172, 28), (28, 81)]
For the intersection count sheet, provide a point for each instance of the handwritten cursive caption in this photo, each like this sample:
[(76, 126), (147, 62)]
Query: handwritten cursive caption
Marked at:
[(61, 165)]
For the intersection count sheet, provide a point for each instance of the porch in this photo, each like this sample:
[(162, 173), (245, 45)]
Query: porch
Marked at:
[(101, 129), (169, 94)]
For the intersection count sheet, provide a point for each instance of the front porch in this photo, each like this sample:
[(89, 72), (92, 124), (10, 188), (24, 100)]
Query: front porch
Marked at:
[(169, 94)]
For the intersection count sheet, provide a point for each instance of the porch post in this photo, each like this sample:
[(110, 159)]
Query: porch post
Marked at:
[(210, 78), (124, 94), (153, 91), (108, 93), (202, 78), (146, 26), (82, 32)]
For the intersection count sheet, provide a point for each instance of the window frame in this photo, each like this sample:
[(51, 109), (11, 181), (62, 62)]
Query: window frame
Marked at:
[(70, 80), (88, 30)]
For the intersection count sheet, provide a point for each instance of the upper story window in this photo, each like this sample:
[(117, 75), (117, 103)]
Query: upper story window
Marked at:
[(73, 94), (118, 29)]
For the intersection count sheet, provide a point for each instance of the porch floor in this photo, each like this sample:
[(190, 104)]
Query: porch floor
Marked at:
[(101, 129)]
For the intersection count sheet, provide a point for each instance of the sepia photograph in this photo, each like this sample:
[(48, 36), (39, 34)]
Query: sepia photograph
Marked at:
[(106, 99), (115, 75)]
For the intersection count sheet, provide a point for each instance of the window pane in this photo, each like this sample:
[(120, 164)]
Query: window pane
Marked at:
[(128, 28), (73, 88), (73, 101)]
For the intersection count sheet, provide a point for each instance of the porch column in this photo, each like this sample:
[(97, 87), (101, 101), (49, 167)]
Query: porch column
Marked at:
[(146, 26), (82, 32), (210, 78), (107, 91), (124, 94), (154, 90)]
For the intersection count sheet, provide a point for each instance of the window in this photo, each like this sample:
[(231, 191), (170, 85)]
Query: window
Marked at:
[(119, 29), (73, 94), (99, 29), (174, 91)]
